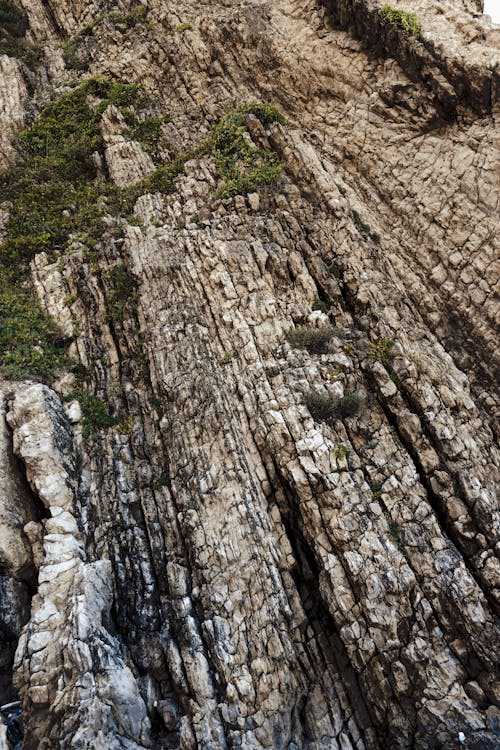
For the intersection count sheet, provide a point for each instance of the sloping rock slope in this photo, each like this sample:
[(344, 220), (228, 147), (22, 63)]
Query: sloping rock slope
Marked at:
[(248, 469)]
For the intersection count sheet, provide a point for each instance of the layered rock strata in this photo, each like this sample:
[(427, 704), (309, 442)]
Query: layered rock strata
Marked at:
[(220, 567)]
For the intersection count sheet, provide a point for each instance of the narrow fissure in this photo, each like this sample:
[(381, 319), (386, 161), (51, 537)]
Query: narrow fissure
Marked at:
[(306, 578)]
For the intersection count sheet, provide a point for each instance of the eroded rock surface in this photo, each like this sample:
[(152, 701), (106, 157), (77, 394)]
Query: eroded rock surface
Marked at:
[(215, 566)]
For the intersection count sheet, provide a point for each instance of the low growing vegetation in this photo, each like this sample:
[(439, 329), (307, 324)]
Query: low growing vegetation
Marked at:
[(381, 350), (53, 199), (365, 228), (320, 305), (401, 18), (395, 530), (13, 28), (327, 408), (123, 297), (30, 342), (56, 196), (186, 26), (241, 166), (341, 451), (73, 54), (95, 415), (315, 340)]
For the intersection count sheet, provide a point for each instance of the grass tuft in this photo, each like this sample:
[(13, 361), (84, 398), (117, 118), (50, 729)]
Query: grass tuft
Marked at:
[(401, 18)]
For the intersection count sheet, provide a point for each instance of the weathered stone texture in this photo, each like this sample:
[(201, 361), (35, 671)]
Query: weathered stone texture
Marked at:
[(220, 570)]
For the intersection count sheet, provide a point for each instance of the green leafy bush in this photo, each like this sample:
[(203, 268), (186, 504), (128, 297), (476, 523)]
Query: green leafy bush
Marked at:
[(315, 340), (401, 18)]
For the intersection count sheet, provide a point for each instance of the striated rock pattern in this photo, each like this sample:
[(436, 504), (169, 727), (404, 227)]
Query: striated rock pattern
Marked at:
[(262, 511)]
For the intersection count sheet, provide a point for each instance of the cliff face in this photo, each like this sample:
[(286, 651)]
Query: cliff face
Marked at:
[(248, 469)]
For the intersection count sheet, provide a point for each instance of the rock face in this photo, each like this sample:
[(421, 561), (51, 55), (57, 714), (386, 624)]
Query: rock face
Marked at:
[(264, 516)]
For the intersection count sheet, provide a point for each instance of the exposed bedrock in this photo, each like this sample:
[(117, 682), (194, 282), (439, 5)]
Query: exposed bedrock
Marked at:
[(255, 506)]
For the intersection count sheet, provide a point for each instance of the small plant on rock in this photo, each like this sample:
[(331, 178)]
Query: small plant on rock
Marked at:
[(137, 14), (364, 228), (123, 297), (381, 350), (95, 415), (401, 18), (315, 340), (341, 451), (186, 26), (320, 305), (326, 408)]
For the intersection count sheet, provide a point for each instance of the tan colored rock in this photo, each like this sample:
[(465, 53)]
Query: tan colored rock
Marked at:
[(223, 568)]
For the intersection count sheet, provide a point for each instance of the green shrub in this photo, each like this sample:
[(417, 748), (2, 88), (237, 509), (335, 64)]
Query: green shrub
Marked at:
[(334, 270), (71, 58), (150, 133), (315, 340), (382, 350), (401, 18), (123, 297), (30, 341), (319, 304), (341, 451), (95, 415), (241, 166), (327, 408)]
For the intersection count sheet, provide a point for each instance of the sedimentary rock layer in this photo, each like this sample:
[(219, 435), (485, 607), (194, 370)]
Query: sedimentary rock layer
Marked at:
[(216, 531)]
